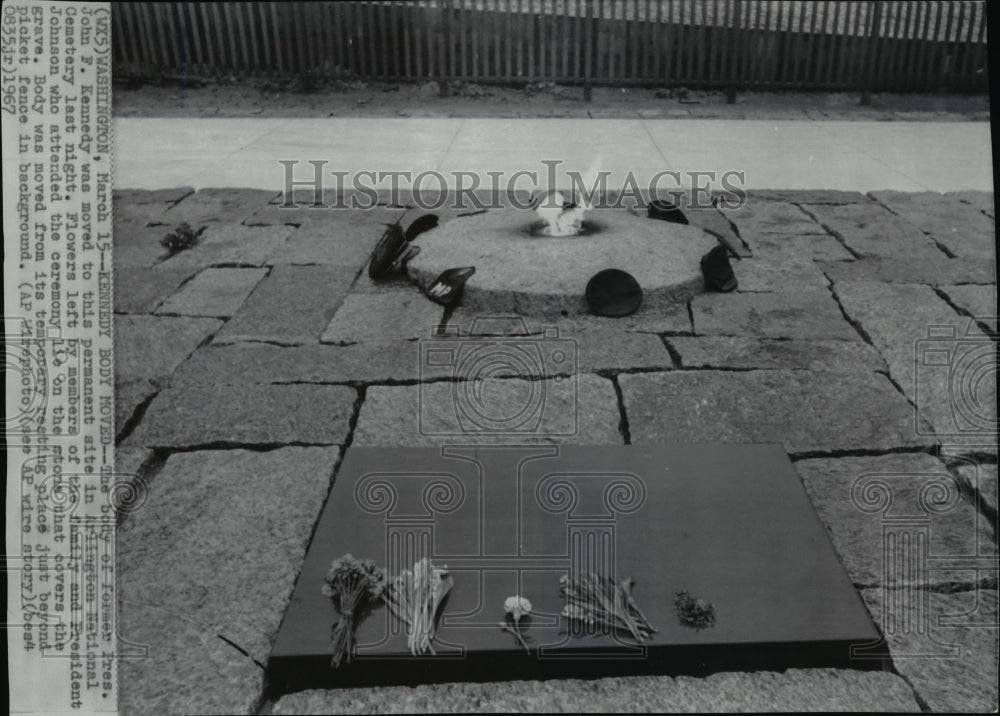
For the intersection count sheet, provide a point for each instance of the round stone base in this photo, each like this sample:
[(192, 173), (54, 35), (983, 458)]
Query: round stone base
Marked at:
[(520, 272)]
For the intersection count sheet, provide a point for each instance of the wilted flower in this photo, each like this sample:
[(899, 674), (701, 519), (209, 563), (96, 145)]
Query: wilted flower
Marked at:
[(693, 612)]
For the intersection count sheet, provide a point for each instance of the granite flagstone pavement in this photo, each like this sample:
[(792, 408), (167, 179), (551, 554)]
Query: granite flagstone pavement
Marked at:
[(248, 363)]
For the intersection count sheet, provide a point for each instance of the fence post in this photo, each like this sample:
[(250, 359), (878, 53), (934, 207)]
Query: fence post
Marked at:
[(444, 47), (871, 53), (588, 52)]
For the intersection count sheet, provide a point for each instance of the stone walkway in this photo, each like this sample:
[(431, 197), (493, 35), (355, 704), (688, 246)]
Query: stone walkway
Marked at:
[(247, 364)]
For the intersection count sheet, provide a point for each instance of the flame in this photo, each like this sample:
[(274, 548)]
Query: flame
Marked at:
[(561, 217)]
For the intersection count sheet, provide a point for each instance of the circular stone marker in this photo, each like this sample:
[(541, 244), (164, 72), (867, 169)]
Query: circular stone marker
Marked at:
[(519, 272)]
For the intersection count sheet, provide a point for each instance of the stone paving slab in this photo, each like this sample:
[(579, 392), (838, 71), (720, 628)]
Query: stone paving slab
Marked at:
[(614, 349), (792, 690), (789, 271), (428, 415), (818, 247), (944, 645), (220, 205), (857, 498), (903, 322), (647, 320), (331, 214), (293, 305), (141, 290), (981, 479), (146, 213), (185, 416), (980, 200), (906, 269), (150, 196), (979, 301), (152, 346), (331, 244), (187, 670), (787, 314), (217, 292), (129, 395), (805, 412), (959, 227), (137, 245), (245, 363), (231, 245), (872, 230), (405, 315), (757, 218), (808, 196), (190, 567), (735, 352)]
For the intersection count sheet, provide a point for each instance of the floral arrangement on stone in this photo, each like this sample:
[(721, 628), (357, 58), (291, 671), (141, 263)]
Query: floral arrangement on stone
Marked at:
[(601, 602), (352, 584), (414, 597), (181, 238)]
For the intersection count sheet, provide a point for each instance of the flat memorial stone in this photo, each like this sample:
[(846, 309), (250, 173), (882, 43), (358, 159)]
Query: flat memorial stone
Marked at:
[(728, 523)]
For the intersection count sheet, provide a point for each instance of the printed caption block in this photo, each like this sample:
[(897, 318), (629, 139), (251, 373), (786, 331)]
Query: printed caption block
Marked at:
[(63, 495)]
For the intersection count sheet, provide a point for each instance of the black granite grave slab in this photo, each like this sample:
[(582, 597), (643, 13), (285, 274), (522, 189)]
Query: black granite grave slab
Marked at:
[(728, 523)]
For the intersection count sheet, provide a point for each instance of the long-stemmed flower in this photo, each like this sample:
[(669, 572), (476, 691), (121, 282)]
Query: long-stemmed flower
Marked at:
[(515, 608)]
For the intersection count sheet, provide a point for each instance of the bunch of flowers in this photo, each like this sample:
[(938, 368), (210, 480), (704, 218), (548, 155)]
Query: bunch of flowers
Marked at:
[(351, 584), (693, 612), (600, 602), (414, 598)]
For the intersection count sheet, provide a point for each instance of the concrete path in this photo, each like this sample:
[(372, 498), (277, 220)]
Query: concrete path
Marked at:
[(847, 155)]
